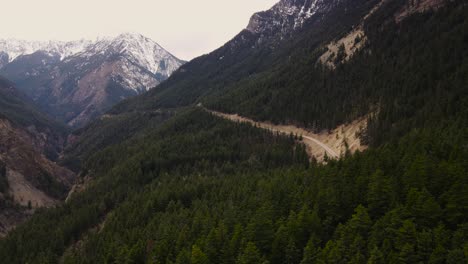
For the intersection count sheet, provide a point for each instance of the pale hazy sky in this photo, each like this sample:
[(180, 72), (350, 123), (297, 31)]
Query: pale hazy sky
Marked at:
[(187, 28)]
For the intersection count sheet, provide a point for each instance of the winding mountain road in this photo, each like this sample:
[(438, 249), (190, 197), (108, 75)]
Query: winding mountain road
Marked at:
[(307, 139), (329, 151)]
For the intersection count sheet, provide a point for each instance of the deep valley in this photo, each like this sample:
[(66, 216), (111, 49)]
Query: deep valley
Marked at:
[(324, 132)]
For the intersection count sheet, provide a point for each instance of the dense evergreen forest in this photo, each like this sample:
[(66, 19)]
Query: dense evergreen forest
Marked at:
[(109, 130), (204, 190), (188, 187)]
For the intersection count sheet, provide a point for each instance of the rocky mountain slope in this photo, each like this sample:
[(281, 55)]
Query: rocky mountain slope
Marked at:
[(288, 15), (269, 37), (76, 81), (29, 142), (272, 70)]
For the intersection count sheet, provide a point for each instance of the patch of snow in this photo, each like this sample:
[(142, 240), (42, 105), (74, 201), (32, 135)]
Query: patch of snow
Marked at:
[(15, 48), (288, 15)]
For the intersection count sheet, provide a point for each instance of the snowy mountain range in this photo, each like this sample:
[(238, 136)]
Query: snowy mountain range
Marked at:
[(77, 81), (15, 48)]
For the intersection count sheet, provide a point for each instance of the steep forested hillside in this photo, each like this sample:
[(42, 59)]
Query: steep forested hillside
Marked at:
[(396, 74), (107, 131), (193, 144), (184, 186), (17, 108), (408, 74)]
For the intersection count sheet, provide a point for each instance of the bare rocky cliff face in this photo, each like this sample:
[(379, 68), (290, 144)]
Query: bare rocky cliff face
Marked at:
[(269, 28), (76, 82), (24, 151), (288, 15), (33, 180)]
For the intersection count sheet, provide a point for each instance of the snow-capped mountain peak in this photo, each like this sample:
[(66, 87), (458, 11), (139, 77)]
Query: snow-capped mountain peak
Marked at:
[(84, 78), (146, 52), (15, 47), (140, 49), (136, 48)]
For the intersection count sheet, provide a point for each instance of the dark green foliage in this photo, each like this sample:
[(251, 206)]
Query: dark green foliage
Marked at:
[(6, 200), (195, 144), (340, 55), (45, 182), (109, 130), (203, 190), (3, 178)]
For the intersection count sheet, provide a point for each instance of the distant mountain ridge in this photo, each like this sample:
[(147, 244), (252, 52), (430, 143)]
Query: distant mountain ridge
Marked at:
[(76, 81), (15, 47)]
